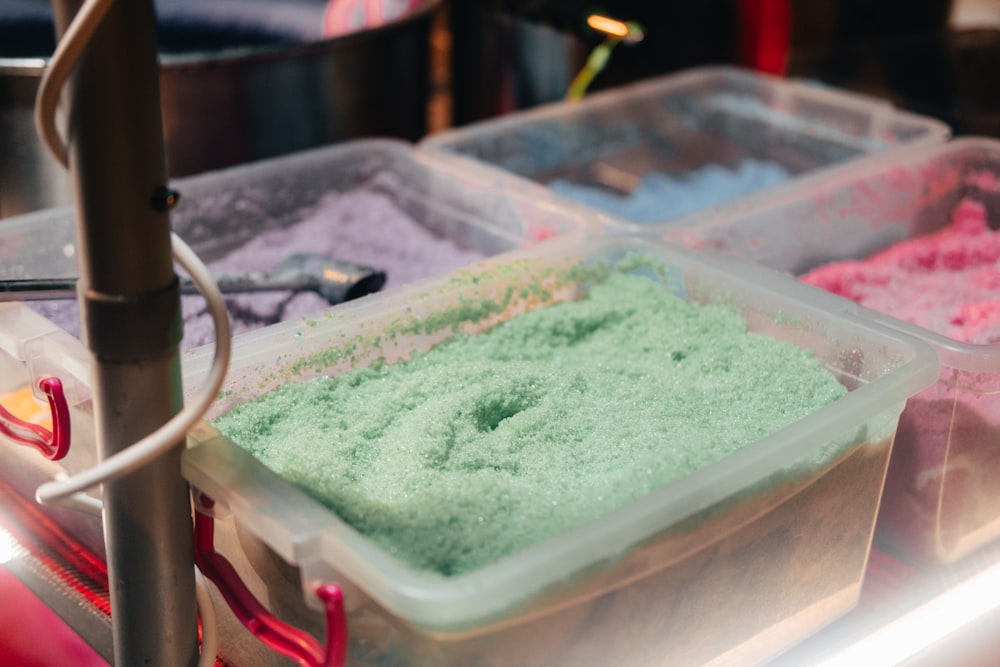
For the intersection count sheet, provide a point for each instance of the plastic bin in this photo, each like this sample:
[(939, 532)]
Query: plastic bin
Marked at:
[(731, 564), (451, 219), (939, 500), (220, 212), (678, 124)]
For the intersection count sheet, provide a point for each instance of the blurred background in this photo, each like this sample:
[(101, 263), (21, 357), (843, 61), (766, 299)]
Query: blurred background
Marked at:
[(930, 56), (247, 79)]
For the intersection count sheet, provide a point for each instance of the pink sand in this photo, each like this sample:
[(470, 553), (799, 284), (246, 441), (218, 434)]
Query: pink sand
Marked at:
[(947, 282)]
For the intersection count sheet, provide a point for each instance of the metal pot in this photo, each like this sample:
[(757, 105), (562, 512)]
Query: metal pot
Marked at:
[(239, 81)]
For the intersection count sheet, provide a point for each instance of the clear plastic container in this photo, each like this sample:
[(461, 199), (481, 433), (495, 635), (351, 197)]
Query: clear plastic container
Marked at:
[(227, 208), (375, 203), (940, 503), (675, 126), (223, 210), (731, 564)]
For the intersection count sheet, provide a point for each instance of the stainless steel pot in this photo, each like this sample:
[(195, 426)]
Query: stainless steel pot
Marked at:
[(231, 91)]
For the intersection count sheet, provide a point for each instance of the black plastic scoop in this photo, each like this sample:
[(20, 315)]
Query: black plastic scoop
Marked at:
[(335, 280)]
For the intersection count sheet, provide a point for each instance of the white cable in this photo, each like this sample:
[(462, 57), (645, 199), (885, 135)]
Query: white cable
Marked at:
[(81, 502), (160, 441), (209, 625), (67, 52)]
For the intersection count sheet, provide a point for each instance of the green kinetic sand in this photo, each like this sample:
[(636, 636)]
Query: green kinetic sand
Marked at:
[(489, 443)]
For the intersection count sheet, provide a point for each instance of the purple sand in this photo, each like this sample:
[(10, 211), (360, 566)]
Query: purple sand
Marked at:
[(358, 226)]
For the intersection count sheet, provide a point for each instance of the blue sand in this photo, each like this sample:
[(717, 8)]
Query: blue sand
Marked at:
[(660, 197)]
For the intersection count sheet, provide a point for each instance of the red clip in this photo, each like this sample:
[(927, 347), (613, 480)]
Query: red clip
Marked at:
[(53, 444), (272, 632)]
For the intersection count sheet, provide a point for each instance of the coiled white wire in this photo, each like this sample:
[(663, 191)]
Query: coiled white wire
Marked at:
[(161, 440), (67, 52), (68, 491)]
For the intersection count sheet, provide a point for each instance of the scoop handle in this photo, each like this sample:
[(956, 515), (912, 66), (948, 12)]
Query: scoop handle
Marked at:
[(37, 289), (40, 289), (335, 280)]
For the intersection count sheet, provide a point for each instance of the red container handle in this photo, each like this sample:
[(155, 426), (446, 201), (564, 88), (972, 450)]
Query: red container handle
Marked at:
[(271, 631), (54, 444)]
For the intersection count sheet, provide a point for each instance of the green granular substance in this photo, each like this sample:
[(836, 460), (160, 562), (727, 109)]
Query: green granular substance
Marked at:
[(489, 443)]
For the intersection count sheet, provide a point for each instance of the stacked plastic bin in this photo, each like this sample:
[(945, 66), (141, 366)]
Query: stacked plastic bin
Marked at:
[(735, 562)]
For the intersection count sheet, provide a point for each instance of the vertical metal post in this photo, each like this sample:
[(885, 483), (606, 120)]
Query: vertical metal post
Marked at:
[(131, 320)]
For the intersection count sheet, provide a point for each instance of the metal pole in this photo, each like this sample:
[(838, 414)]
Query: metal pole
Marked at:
[(131, 321)]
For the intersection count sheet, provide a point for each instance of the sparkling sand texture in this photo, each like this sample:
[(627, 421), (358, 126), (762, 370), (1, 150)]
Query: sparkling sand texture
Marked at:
[(489, 443)]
